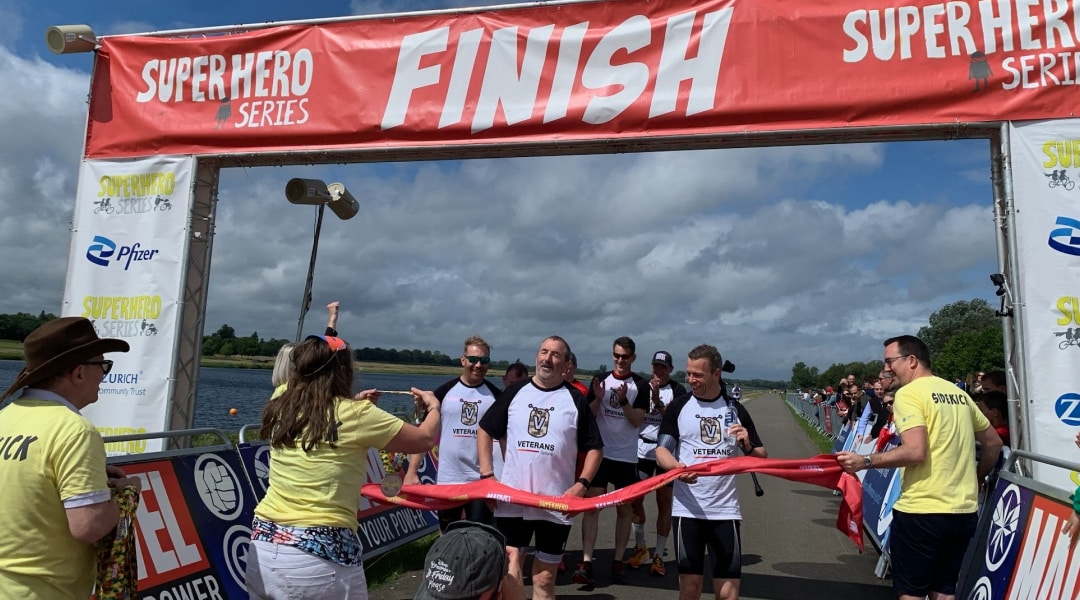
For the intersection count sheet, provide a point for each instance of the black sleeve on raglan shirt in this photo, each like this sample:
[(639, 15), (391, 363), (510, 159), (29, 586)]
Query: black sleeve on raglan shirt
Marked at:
[(588, 433)]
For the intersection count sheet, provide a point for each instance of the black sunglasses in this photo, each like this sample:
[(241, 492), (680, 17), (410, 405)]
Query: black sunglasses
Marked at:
[(618, 356), (478, 359), (106, 365)]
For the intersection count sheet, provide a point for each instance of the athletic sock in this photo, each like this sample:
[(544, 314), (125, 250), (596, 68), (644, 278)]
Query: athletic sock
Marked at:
[(639, 535), (661, 545)]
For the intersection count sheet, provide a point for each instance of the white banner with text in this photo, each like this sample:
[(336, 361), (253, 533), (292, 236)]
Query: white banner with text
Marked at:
[(125, 271)]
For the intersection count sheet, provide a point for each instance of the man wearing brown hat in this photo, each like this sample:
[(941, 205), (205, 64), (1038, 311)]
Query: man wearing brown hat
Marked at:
[(57, 502)]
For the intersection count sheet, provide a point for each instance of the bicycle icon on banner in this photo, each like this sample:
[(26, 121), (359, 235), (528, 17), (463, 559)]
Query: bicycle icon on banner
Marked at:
[(103, 205), (1072, 337), (1058, 178)]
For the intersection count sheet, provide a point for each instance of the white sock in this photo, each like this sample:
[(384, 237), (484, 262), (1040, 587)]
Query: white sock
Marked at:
[(639, 535), (661, 545)]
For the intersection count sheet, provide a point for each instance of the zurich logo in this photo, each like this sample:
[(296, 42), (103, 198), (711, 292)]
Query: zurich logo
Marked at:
[(102, 249), (1066, 239), (1067, 409), (1003, 528)]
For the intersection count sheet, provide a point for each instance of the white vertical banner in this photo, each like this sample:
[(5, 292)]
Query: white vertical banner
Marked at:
[(125, 272), (1046, 185)]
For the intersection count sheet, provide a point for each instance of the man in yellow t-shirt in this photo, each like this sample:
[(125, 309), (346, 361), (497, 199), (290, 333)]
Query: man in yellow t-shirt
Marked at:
[(934, 519), (57, 502)]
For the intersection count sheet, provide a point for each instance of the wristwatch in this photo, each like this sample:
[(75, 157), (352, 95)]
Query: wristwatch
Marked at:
[(584, 482), (868, 462)]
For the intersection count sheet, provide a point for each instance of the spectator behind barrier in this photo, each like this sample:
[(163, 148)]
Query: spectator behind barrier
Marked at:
[(471, 561), (994, 380), (995, 406), (282, 362)]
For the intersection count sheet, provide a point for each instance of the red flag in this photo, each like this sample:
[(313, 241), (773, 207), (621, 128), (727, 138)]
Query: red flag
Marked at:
[(821, 470)]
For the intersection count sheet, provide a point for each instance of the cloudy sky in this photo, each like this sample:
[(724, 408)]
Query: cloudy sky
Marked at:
[(774, 255)]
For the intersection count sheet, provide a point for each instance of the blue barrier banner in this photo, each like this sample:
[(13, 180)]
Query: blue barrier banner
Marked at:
[(193, 525), (382, 527), (1024, 554), (841, 441)]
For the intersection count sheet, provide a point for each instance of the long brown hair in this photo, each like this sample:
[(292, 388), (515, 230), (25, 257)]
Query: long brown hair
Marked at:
[(304, 413)]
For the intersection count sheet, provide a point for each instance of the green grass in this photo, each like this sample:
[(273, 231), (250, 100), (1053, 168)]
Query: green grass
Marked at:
[(387, 567), (822, 441)]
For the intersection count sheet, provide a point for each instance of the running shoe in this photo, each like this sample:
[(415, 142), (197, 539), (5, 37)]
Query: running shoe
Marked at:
[(584, 573), (618, 575), (639, 555), (657, 568)]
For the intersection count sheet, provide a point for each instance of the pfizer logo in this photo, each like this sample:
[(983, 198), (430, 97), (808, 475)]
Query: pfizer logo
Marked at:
[(1003, 527), (218, 487)]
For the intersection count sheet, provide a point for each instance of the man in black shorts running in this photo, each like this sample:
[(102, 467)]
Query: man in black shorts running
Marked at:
[(545, 423), (699, 427), (619, 400), (662, 390)]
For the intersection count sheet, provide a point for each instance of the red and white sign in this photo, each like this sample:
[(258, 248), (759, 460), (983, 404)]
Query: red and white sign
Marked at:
[(168, 544), (585, 71)]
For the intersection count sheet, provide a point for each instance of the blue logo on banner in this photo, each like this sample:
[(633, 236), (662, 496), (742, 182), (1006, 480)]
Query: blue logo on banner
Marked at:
[(1067, 409), (1004, 528), (102, 249), (1066, 239)]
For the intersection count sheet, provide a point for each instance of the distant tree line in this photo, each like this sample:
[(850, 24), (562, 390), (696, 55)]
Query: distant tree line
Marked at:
[(224, 342), (964, 337), (19, 325)]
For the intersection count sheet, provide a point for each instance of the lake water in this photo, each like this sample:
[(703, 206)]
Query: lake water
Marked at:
[(247, 390)]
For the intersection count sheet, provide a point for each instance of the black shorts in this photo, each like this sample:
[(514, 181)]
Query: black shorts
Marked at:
[(476, 511), (647, 467), (927, 551), (618, 474), (550, 537), (722, 538)]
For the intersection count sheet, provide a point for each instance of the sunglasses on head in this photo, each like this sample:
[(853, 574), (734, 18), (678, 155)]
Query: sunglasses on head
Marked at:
[(335, 343), (478, 359)]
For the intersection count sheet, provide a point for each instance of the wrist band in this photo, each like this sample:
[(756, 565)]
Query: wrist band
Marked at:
[(487, 476), (584, 482)]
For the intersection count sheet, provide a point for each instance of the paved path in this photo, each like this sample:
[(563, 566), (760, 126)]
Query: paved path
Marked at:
[(791, 547)]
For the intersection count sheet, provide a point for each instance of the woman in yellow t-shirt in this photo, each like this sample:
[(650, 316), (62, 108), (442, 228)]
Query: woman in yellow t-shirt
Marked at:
[(303, 541)]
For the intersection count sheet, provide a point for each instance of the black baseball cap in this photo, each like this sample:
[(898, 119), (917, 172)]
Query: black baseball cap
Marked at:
[(466, 561), (662, 357)]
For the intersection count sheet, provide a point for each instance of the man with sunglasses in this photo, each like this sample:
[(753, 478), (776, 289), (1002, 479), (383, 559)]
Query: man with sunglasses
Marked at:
[(619, 399), (934, 519), (464, 400), (57, 500)]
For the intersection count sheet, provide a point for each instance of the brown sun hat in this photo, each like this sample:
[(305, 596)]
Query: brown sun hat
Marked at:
[(59, 346)]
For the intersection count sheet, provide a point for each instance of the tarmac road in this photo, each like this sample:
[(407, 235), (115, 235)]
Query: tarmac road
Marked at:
[(791, 547)]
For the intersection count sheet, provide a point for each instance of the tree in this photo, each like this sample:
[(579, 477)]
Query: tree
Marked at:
[(802, 376), (602, 368), (969, 352), (226, 332), (956, 318)]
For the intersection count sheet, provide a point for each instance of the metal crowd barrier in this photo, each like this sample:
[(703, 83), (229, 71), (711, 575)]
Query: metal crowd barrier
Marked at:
[(193, 524)]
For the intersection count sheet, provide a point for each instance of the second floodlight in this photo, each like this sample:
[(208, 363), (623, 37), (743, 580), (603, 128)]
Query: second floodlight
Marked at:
[(313, 191)]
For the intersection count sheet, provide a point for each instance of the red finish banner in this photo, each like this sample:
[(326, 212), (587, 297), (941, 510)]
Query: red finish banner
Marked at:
[(596, 70), (821, 470)]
